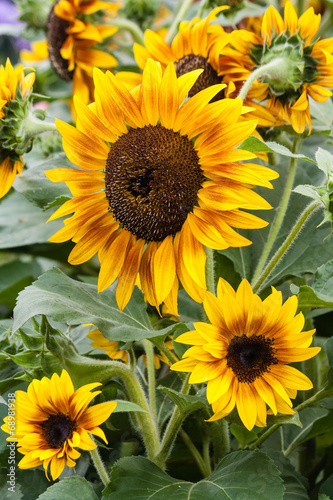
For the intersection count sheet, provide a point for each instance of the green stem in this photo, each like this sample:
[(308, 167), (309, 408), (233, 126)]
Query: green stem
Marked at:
[(210, 271), (149, 349), (195, 453), (32, 126), (98, 462), (172, 429), (267, 69), (276, 225), (85, 370), (185, 5), (202, 7), (324, 393), (305, 215), (206, 454), (126, 24), (326, 23)]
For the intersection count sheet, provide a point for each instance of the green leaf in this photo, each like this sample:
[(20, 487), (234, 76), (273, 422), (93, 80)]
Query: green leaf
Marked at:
[(324, 161), (321, 292), (69, 301), (186, 403), (256, 145), (38, 189), (123, 406), (293, 436), (22, 224), (69, 487), (294, 482), (242, 474), (243, 436), (28, 359), (327, 487)]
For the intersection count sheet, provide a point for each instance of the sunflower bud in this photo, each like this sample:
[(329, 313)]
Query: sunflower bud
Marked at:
[(34, 13)]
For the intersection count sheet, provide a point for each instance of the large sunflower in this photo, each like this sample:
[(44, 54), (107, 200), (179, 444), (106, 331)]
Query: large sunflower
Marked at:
[(14, 84), (311, 64), (70, 42), (244, 352), (51, 420), (157, 182)]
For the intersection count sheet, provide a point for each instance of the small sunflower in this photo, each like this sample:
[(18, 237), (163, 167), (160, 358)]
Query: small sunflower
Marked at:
[(111, 349), (190, 50), (70, 42), (311, 64), (51, 420), (14, 84), (244, 352), (157, 182)]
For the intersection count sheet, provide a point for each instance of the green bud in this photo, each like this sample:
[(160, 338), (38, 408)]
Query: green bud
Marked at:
[(142, 12)]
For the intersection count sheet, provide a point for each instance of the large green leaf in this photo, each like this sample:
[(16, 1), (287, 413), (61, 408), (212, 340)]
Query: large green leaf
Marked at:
[(69, 301), (242, 474), (23, 224), (293, 436), (320, 294), (68, 488), (38, 189), (294, 482)]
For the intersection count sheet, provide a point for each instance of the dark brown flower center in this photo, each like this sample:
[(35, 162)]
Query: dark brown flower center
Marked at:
[(56, 35), (250, 357), (152, 179), (57, 429), (208, 78)]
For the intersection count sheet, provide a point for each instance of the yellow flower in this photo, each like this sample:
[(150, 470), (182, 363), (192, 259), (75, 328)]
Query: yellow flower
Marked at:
[(244, 352), (190, 50), (13, 84), (313, 64), (51, 420), (157, 182), (110, 347), (70, 41)]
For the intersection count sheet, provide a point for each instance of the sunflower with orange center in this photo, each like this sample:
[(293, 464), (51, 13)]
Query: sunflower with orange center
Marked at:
[(243, 354), (14, 85), (52, 420), (308, 63), (70, 42), (158, 180)]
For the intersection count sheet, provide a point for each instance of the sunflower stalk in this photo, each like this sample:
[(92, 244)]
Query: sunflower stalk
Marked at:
[(184, 6), (99, 465), (278, 68), (172, 430), (32, 126), (285, 247), (133, 28), (149, 349), (201, 463), (276, 225)]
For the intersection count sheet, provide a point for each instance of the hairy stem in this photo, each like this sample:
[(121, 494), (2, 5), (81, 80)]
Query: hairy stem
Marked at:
[(266, 69), (205, 471), (303, 218), (149, 349), (276, 225), (185, 5), (98, 462)]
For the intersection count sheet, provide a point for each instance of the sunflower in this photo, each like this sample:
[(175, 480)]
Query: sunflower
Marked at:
[(111, 349), (70, 42), (190, 50), (51, 420), (14, 84), (244, 352), (311, 64), (157, 182)]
